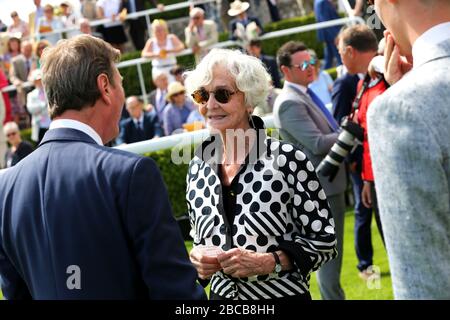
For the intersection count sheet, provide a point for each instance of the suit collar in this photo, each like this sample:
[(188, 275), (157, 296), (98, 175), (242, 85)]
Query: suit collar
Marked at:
[(296, 87), (433, 44), (306, 99), (66, 134)]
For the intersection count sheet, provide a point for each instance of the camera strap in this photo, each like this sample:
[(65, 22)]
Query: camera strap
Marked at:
[(364, 86)]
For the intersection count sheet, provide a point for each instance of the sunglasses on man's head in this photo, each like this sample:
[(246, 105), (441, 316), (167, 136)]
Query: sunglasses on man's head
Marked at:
[(305, 64), (222, 95)]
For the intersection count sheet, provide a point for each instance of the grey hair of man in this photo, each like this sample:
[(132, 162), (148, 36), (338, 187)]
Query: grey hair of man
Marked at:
[(70, 71), (249, 73)]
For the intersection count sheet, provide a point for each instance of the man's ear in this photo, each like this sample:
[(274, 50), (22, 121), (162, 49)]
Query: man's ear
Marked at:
[(284, 69), (350, 50), (104, 88)]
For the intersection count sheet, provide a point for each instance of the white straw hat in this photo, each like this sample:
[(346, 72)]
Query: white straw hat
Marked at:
[(237, 7)]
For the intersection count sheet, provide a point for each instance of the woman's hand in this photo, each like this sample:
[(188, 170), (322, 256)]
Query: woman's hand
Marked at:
[(206, 266), (240, 263)]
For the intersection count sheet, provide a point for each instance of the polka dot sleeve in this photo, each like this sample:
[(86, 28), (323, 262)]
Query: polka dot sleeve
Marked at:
[(315, 242)]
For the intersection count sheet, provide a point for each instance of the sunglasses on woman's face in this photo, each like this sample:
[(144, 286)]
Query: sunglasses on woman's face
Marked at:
[(222, 95)]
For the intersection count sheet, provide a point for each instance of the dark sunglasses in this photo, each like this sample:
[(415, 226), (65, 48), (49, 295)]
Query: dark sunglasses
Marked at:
[(370, 2), (305, 64), (201, 96), (11, 134)]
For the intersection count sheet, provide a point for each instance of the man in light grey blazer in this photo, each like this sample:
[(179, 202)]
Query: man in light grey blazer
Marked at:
[(409, 135), (304, 121), (200, 33)]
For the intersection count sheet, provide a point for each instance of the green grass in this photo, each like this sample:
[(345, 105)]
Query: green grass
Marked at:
[(354, 287)]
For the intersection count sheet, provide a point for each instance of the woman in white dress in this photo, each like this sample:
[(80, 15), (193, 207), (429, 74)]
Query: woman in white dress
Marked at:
[(161, 47)]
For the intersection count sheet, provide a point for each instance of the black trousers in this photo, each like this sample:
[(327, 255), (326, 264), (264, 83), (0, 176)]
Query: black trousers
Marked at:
[(137, 33)]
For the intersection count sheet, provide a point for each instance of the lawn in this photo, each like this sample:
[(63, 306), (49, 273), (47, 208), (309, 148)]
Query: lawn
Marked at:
[(354, 287)]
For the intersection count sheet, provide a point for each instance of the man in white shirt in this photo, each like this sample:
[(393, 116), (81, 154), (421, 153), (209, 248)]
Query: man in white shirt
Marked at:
[(409, 134), (304, 121)]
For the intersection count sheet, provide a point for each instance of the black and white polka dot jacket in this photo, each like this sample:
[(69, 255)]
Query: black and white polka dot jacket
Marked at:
[(279, 205)]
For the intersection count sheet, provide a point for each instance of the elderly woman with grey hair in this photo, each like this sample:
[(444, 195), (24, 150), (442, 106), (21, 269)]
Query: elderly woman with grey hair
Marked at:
[(260, 219)]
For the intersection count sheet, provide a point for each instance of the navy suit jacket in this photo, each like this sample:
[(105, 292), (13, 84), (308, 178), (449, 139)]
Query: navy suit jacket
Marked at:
[(75, 203), (324, 10), (129, 133), (342, 96), (272, 68)]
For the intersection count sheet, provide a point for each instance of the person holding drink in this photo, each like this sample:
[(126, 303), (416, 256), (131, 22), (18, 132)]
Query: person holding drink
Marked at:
[(161, 47)]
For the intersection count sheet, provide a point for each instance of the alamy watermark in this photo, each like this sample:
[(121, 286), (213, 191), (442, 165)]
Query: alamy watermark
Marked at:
[(73, 281)]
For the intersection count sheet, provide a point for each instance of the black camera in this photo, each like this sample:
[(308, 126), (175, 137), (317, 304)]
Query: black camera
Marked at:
[(351, 134)]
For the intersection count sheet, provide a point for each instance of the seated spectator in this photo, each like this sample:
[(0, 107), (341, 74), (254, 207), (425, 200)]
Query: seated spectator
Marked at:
[(68, 19), (49, 23), (19, 149), (195, 120), (19, 72), (157, 98), (178, 109), (200, 33), (37, 107), (323, 83), (243, 27), (113, 32), (22, 64), (13, 51), (3, 146), (85, 28), (254, 49), (18, 26), (88, 9), (140, 125), (5, 112), (161, 47), (177, 73), (40, 46)]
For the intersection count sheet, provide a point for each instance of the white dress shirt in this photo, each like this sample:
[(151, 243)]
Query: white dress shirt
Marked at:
[(77, 125), (430, 38), (298, 86)]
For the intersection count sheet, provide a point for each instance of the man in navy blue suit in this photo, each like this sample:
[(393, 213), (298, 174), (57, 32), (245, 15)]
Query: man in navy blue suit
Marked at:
[(140, 125), (254, 48), (324, 10), (79, 220)]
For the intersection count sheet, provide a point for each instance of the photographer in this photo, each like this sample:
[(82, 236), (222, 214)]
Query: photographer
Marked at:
[(358, 47)]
